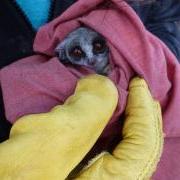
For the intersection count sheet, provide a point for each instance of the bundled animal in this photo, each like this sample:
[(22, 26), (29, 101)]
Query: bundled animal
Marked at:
[(85, 47)]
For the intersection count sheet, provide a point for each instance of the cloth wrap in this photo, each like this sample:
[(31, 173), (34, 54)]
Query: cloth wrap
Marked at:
[(38, 83)]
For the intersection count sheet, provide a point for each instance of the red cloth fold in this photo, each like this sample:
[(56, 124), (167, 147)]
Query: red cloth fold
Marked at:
[(37, 83)]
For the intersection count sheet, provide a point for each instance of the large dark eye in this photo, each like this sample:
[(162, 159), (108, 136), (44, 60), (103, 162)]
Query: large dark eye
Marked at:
[(99, 46), (77, 52)]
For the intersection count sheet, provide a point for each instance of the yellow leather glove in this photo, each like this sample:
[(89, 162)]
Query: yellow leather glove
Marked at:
[(136, 157), (48, 146)]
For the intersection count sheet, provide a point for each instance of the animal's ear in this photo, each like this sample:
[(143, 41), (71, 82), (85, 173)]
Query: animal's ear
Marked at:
[(60, 52)]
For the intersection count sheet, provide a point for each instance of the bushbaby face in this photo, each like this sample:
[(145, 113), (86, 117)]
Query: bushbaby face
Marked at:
[(84, 47)]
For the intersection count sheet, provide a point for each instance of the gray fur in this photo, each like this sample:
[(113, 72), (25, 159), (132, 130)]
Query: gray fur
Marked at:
[(84, 38)]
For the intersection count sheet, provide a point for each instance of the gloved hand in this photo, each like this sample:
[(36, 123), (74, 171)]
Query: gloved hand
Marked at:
[(49, 145), (137, 155)]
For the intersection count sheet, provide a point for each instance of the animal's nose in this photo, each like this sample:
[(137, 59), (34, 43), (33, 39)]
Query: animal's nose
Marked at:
[(92, 61)]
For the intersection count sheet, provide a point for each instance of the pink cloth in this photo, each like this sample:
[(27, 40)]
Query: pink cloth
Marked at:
[(37, 83)]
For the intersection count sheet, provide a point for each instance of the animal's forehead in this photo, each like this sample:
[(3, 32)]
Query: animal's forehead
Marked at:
[(83, 30), (83, 34)]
